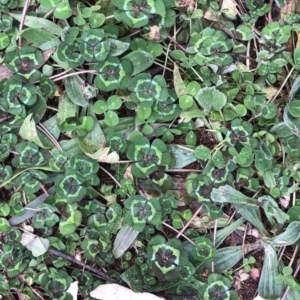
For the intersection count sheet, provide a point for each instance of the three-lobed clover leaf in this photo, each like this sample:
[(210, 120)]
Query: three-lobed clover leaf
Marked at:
[(146, 89), (169, 259), (5, 23), (204, 250), (211, 47), (137, 13), (70, 185), (113, 74), (117, 142), (240, 134), (62, 9), (25, 62), (217, 287), (14, 259), (17, 93), (168, 109), (29, 155), (5, 173), (92, 46), (45, 216), (148, 158), (71, 54), (140, 211), (107, 108), (30, 181)]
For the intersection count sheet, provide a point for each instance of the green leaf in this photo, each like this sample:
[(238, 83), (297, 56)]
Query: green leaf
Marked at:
[(186, 101), (294, 108), (114, 102), (4, 40), (4, 225), (267, 287), (183, 156), (202, 152), (211, 99), (140, 60), (179, 84), (63, 11), (28, 131), (40, 38), (35, 22), (111, 118), (124, 239), (74, 91), (289, 237), (294, 213)]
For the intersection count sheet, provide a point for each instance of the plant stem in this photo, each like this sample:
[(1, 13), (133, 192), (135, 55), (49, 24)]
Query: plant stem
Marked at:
[(75, 261)]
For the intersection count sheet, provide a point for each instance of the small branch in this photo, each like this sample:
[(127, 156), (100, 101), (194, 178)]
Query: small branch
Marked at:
[(42, 128), (182, 170), (73, 74), (189, 222), (169, 226), (26, 5), (78, 262)]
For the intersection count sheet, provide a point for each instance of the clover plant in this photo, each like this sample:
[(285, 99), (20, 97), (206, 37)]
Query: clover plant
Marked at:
[(137, 137), (107, 108), (148, 158)]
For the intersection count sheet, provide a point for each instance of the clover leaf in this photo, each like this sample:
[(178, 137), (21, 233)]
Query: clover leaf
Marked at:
[(112, 73), (92, 47), (71, 54), (211, 99), (211, 47), (168, 109), (29, 155), (204, 251), (17, 94), (110, 116), (70, 185), (5, 23), (141, 211), (25, 62), (217, 287), (148, 158), (30, 181), (145, 89), (45, 216), (137, 13), (5, 173), (62, 9), (117, 142), (169, 259), (14, 260)]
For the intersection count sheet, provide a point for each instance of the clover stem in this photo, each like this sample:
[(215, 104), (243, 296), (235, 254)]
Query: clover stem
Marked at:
[(166, 59), (169, 226), (50, 12), (42, 128), (113, 178), (73, 74), (60, 74), (176, 43), (157, 63), (189, 222), (74, 260), (52, 108), (197, 74), (283, 84)]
